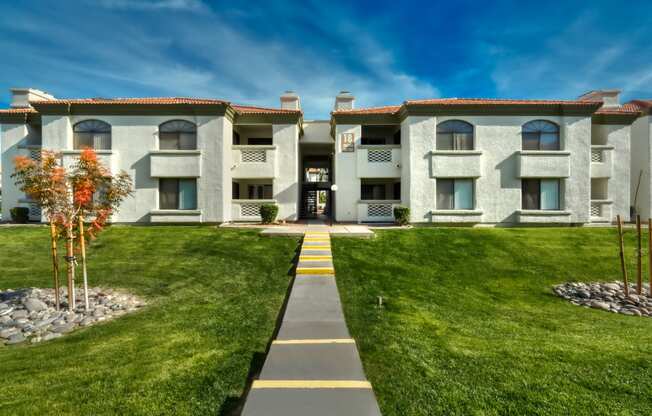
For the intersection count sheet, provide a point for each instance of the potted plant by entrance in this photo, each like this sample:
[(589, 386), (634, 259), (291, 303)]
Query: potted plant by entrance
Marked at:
[(268, 213)]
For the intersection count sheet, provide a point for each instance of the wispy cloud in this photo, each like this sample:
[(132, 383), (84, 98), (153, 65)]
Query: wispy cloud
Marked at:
[(193, 5)]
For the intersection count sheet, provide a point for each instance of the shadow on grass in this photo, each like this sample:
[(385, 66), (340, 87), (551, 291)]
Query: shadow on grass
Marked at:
[(233, 405)]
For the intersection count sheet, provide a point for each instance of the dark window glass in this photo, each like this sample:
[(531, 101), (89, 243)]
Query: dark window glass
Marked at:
[(454, 135), (177, 135), (366, 191), (236, 138), (260, 141), (235, 190), (445, 193), (268, 192), (168, 193), (531, 194), (397, 190), (92, 134), (372, 140), (397, 137), (541, 135)]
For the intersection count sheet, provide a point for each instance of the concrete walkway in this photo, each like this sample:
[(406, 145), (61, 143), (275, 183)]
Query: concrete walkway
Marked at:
[(313, 366)]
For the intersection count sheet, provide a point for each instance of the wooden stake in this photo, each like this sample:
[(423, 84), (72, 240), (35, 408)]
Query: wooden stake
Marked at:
[(70, 260), (639, 260), (55, 263), (622, 254), (82, 245), (649, 255)]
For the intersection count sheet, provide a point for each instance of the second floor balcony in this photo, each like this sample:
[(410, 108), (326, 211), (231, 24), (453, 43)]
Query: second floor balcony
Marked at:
[(543, 164), (379, 161), (253, 161), (601, 161), (175, 163)]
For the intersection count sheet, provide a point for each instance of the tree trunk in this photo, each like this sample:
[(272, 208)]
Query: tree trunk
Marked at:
[(70, 259), (82, 246), (621, 245), (55, 263)]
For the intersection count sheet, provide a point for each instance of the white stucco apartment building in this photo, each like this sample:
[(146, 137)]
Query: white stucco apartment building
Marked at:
[(488, 161)]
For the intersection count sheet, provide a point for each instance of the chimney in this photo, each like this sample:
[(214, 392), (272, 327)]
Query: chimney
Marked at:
[(290, 101), (344, 101), (610, 98), (20, 97)]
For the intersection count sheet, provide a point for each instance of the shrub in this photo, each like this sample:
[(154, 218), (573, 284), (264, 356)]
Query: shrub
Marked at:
[(268, 213), (19, 214), (402, 215)]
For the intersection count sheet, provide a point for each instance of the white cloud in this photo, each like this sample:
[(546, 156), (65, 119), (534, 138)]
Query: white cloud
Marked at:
[(193, 5)]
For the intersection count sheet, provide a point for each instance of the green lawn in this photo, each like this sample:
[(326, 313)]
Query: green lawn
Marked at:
[(471, 326), (213, 294)]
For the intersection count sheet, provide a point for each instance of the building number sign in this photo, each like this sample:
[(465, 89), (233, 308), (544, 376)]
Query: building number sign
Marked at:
[(348, 142)]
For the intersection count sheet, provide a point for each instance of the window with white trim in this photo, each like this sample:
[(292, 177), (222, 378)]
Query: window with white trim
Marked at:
[(455, 194)]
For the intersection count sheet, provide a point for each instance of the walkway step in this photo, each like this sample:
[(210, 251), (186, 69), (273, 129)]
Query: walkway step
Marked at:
[(313, 367)]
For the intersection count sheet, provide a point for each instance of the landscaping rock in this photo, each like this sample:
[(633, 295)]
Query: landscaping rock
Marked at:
[(35, 305), (607, 297), (30, 314)]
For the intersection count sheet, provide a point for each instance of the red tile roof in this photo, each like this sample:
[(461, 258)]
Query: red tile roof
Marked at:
[(247, 109), (641, 104), (144, 100), (625, 109), (17, 111), (497, 101), (388, 109)]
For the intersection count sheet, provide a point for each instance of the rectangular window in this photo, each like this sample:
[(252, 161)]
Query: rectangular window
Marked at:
[(372, 192), (454, 194), (260, 141), (97, 141), (260, 191), (397, 190), (454, 141), (177, 141), (541, 141), (177, 193), (236, 138), (540, 194), (235, 190)]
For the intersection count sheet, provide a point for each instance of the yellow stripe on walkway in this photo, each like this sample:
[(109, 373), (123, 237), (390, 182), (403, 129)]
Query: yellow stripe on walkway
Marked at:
[(310, 384), (316, 248), (316, 240), (315, 258), (313, 341), (315, 270)]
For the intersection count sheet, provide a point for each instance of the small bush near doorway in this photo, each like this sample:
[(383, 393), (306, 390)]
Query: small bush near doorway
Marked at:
[(402, 215), (19, 215), (268, 213)]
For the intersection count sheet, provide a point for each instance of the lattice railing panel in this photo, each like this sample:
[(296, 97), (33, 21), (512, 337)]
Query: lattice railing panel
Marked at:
[(379, 156), (596, 210), (379, 210), (253, 156), (35, 154), (250, 210), (34, 211), (597, 156)]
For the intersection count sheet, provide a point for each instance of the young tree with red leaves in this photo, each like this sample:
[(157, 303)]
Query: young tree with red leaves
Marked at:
[(96, 194), (88, 190), (45, 181)]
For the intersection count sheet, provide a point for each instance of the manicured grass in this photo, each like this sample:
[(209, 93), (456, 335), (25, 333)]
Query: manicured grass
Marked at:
[(213, 294), (471, 326)]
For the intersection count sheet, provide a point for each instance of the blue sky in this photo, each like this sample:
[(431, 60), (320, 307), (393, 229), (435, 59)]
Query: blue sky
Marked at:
[(382, 51)]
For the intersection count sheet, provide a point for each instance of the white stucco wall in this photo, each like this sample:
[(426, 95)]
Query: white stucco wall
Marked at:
[(641, 137), (348, 183), (132, 140), (286, 184), (13, 137), (498, 189)]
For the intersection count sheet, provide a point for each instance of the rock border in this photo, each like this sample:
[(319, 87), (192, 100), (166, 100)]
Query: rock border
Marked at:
[(608, 296), (30, 315)]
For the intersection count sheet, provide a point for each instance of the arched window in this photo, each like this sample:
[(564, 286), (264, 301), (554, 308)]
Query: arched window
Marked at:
[(540, 135), (454, 135), (92, 134), (177, 135)]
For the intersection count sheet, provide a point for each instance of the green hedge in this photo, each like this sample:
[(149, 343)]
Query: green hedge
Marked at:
[(268, 213), (402, 215), (19, 214)]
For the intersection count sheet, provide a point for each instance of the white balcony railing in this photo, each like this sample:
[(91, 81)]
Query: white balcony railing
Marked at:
[(543, 164), (175, 163), (601, 210), (601, 161), (379, 161), (377, 210), (253, 161), (456, 163), (248, 209)]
